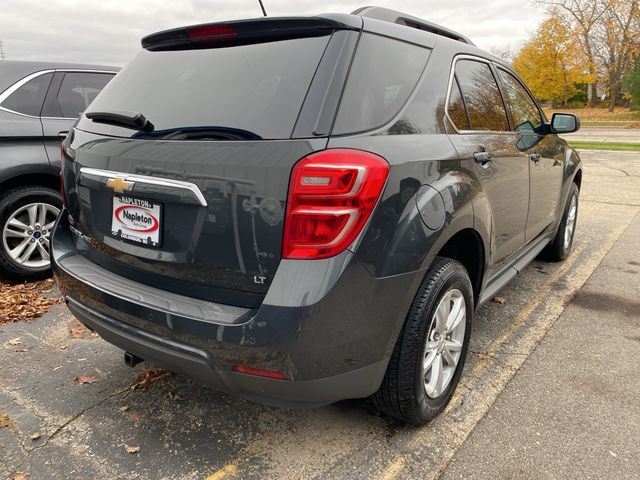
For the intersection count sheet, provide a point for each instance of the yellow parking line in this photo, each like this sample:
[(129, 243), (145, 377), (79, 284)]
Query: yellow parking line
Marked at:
[(228, 470), (395, 468)]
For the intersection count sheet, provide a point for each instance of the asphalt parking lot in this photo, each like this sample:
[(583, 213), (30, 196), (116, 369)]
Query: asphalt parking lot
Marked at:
[(550, 389)]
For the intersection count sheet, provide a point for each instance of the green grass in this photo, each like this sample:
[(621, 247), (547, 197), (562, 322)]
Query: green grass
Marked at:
[(618, 146)]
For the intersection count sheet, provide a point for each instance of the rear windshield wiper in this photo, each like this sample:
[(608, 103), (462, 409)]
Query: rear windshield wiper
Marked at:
[(121, 118), (199, 133)]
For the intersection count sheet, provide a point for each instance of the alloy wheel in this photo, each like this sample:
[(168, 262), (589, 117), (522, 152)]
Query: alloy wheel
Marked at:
[(26, 234), (444, 343)]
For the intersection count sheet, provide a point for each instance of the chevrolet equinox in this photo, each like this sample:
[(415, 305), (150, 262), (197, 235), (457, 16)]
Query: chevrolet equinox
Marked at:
[(307, 209)]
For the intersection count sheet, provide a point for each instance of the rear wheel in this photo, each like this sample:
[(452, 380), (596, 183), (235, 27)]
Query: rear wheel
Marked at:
[(27, 215), (560, 246), (429, 356)]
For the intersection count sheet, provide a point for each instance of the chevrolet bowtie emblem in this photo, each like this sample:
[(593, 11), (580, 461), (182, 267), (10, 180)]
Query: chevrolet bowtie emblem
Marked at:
[(119, 184)]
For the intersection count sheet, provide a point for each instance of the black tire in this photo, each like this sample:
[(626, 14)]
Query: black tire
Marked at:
[(11, 202), (558, 249), (402, 394)]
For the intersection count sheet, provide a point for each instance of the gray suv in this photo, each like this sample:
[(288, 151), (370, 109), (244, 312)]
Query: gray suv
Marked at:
[(39, 102), (303, 210)]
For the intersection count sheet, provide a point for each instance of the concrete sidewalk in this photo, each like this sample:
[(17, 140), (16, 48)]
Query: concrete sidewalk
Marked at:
[(573, 410)]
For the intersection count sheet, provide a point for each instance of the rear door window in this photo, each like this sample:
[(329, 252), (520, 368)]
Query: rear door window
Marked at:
[(248, 91), (383, 75), (77, 91), (29, 97), (481, 97)]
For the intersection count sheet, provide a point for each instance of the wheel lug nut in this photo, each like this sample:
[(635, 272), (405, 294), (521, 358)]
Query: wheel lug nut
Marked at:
[(41, 239), (32, 240), (29, 232)]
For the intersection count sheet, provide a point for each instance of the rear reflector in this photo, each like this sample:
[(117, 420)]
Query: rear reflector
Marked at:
[(258, 372), (331, 196)]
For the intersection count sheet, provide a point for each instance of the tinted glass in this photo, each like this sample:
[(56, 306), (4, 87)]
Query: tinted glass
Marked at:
[(77, 91), (525, 113), (481, 96), (383, 75), (256, 89), (29, 97), (457, 109)]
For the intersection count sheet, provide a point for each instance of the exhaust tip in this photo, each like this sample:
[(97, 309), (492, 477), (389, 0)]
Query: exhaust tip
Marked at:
[(132, 360)]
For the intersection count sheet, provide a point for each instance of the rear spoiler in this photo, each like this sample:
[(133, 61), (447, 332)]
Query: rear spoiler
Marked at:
[(243, 32)]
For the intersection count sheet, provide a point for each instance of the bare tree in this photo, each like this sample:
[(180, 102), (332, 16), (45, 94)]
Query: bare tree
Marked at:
[(506, 53), (617, 42), (583, 16), (1, 51)]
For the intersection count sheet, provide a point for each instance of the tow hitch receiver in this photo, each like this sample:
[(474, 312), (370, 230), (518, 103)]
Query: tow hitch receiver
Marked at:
[(131, 359)]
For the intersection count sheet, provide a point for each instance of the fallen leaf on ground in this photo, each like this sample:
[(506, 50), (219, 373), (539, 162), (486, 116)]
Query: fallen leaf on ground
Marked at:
[(124, 408), (25, 301), (131, 449), (7, 422), (35, 436), (148, 377), (77, 332), (135, 418), (499, 300), (63, 347), (14, 341), (81, 379), (173, 395), (20, 476), (21, 350)]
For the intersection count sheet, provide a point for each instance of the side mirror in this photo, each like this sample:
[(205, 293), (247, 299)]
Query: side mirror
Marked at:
[(564, 123)]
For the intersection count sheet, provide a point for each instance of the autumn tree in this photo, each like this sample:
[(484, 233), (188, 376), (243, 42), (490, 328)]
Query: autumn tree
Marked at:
[(552, 62), (581, 17)]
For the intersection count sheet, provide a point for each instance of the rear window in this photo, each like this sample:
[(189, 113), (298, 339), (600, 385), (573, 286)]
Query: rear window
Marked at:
[(248, 91), (383, 75)]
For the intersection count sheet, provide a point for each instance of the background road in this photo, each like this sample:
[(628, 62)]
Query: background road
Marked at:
[(551, 384), (599, 134)]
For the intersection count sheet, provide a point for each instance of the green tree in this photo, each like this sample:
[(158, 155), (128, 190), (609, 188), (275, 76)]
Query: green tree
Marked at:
[(632, 85)]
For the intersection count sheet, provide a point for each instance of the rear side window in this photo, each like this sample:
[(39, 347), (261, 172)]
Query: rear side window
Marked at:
[(29, 97), (383, 75), (77, 91), (457, 109), (481, 97), (525, 113), (248, 91)]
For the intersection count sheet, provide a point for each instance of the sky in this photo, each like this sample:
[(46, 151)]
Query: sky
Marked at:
[(109, 31)]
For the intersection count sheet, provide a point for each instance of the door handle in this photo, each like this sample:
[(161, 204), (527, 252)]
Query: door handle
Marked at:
[(535, 157), (483, 157), (62, 135)]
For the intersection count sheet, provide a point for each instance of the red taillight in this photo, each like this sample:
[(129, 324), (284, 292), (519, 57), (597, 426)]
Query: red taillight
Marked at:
[(64, 198), (258, 372), (208, 33), (331, 196)]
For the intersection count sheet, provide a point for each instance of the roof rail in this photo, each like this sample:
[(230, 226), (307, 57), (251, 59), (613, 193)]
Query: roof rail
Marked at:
[(400, 18)]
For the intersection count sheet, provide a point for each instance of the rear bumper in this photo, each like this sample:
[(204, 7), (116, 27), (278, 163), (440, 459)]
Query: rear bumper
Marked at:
[(332, 349), (201, 365)]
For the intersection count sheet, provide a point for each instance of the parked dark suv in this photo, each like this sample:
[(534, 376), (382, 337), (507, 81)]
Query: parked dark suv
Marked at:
[(38, 102), (303, 210)]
